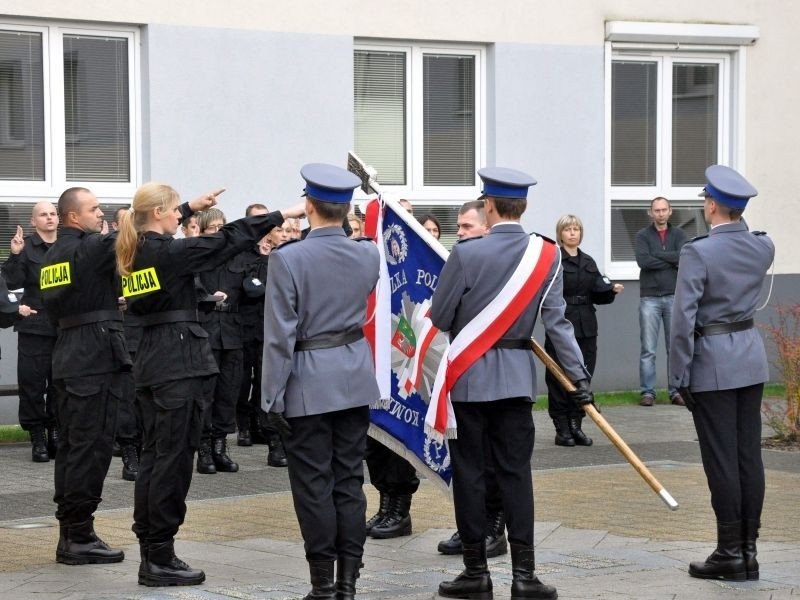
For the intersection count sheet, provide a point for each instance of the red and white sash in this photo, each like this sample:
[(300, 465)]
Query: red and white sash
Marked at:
[(480, 334)]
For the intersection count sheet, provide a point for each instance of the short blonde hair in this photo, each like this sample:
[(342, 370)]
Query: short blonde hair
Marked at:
[(568, 221)]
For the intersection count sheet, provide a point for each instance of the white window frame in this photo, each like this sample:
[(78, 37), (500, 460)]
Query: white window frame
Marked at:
[(668, 43), (55, 174), (414, 189)]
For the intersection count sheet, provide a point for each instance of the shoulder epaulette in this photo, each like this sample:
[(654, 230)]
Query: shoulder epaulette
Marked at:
[(544, 237), (363, 238), (469, 239), (286, 243), (698, 237), (759, 232)]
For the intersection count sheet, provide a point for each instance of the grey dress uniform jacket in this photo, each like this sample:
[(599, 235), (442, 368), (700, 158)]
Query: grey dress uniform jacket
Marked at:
[(719, 281), (473, 275), (318, 287)]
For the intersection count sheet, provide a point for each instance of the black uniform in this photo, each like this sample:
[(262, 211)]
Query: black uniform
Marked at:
[(175, 368), (36, 336), (129, 426), (80, 292)]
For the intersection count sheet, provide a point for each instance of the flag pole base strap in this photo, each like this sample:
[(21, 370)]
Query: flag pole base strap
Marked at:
[(668, 499)]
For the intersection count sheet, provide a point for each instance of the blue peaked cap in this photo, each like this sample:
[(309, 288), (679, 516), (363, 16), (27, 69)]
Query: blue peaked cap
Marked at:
[(329, 183), (505, 183), (728, 187)]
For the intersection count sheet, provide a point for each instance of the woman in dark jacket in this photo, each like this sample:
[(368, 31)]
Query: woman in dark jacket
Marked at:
[(584, 286)]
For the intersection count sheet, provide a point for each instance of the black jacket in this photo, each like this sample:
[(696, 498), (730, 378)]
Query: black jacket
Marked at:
[(251, 304), (584, 286), (22, 271), (658, 262)]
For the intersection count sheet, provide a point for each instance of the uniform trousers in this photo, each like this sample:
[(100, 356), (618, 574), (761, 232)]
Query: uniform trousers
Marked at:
[(558, 402), (37, 402), (248, 404), (129, 424), (221, 419), (728, 424), (87, 409), (389, 472), (508, 426), (326, 474), (172, 417)]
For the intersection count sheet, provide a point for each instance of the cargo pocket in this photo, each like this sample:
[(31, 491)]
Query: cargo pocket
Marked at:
[(86, 407), (171, 419), (199, 351)]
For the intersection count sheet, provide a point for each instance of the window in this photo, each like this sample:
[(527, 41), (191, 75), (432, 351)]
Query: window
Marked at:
[(66, 111), (418, 117), (672, 112)]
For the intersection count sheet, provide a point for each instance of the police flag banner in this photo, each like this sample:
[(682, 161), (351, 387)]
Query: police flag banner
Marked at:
[(407, 347)]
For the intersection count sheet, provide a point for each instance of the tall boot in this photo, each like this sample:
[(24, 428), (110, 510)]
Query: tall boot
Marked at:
[(38, 444), (727, 561), (383, 511), (205, 464), (163, 568), (277, 455), (749, 536), (397, 522), (219, 454), (346, 575), (524, 583), (563, 435), (130, 462), (474, 581), (144, 549), (52, 441), (581, 439), (496, 534), (322, 582), (81, 546)]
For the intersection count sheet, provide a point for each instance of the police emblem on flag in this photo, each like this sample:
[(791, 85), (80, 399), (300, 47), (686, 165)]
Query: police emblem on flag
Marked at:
[(396, 244)]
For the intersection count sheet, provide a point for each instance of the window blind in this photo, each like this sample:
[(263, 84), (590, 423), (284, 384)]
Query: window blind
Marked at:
[(695, 112), (633, 123)]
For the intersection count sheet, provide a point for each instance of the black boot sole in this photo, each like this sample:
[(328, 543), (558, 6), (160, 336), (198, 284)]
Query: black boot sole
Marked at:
[(381, 535), (752, 576), (40, 458), (468, 596), (724, 576), (77, 559), (449, 551), (151, 581)]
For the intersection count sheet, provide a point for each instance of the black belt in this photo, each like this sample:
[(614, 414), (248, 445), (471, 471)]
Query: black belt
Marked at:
[(513, 343), (720, 328), (328, 341), (226, 308), (90, 317), (577, 300), (168, 316)]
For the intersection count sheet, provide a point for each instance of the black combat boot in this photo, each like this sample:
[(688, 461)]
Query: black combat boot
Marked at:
[(727, 561), (496, 534), (346, 575), (163, 568), (524, 583), (451, 545), (474, 581), (563, 435), (130, 462), (39, 444), (243, 437), (144, 549), (581, 439), (749, 536), (81, 546), (398, 520), (52, 441), (205, 464), (322, 582), (219, 454), (383, 511), (257, 433), (277, 455)]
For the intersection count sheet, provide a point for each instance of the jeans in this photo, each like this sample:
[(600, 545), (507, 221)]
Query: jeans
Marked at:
[(653, 310)]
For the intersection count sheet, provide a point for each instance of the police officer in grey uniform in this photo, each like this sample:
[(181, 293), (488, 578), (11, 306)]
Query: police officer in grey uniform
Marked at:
[(719, 364), (318, 377), (494, 394)]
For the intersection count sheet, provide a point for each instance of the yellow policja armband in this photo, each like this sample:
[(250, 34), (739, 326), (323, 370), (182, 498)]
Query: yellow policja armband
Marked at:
[(54, 275), (140, 282)]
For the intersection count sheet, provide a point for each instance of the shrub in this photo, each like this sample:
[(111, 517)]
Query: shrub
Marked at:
[(785, 335)]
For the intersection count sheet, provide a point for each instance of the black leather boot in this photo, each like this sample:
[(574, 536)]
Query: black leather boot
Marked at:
[(524, 583), (398, 520), (52, 441), (452, 545), (474, 581), (163, 568), (219, 454), (322, 583), (130, 462), (727, 561), (277, 454), (749, 536), (346, 575), (563, 435), (205, 464), (383, 511), (144, 548), (581, 439), (257, 433), (39, 445), (81, 546), (496, 544), (243, 437)]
